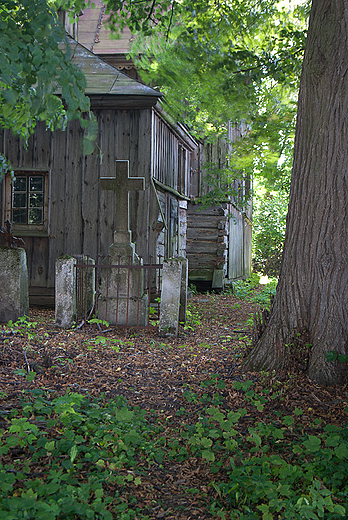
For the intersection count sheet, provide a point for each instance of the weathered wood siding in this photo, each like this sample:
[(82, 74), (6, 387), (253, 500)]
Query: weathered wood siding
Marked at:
[(214, 239), (207, 241), (82, 218), (174, 154)]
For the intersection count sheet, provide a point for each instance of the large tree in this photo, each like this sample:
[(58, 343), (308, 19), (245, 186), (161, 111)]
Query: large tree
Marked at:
[(311, 303)]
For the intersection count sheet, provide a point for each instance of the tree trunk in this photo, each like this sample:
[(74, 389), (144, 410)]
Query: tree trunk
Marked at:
[(312, 294)]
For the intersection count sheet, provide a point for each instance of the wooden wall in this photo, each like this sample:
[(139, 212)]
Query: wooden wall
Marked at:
[(175, 154), (172, 156), (207, 241), (82, 218), (218, 237)]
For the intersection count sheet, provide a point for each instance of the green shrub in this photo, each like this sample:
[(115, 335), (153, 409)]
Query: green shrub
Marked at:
[(269, 232)]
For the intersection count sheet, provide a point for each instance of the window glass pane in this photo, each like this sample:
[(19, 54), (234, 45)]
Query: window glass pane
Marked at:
[(19, 216), (36, 200), (28, 199), (35, 216), (20, 184), (36, 184), (19, 200)]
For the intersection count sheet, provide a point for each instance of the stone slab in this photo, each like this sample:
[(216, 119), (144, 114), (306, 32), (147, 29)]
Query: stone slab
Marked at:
[(14, 294), (65, 292)]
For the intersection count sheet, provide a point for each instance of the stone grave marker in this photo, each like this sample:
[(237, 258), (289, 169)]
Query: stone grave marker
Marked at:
[(122, 300), (14, 294)]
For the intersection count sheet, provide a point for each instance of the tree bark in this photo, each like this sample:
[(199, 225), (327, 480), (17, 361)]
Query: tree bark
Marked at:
[(312, 294)]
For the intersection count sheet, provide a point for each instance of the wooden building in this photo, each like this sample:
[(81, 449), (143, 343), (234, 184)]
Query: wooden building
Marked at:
[(56, 203), (58, 207), (218, 237)]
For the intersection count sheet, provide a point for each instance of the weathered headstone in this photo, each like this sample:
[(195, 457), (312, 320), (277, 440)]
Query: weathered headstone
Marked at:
[(14, 294), (122, 300), (65, 292), (170, 297)]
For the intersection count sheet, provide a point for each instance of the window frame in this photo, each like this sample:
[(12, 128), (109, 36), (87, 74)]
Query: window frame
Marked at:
[(27, 229)]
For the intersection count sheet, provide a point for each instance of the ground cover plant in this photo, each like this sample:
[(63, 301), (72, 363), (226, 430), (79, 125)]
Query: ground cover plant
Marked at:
[(102, 423)]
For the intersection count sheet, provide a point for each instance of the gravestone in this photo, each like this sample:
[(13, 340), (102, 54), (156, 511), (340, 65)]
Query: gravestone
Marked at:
[(14, 295), (173, 296), (122, 300), (65, 291)]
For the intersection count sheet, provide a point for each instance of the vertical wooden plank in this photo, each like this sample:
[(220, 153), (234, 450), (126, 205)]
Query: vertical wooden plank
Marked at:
[(109, 132), (41, 147), (26, 154), (12, 145), (73, 184), (37, 256), (57, 189), (141, 206), (247, 248), (91, 198), (236, 248)]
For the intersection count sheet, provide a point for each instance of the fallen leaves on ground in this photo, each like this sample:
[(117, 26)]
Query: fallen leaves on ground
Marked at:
[(166, 375)]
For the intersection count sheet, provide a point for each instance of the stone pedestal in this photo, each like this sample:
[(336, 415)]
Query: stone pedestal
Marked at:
[(183, 290), (65, 292), (14, 293), (170, 297), (218, 279), (122, 300)]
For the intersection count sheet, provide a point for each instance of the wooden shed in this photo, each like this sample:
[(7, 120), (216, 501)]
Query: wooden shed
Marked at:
[(219, 237), (56, 203)]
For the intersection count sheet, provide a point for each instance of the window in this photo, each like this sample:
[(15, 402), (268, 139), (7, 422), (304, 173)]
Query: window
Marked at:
[(27, 201)]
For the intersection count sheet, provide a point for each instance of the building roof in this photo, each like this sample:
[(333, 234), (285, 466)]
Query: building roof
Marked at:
[(104, 79), (95, 35)]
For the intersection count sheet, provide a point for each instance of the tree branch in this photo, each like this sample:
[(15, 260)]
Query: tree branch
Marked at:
[(170, 21)]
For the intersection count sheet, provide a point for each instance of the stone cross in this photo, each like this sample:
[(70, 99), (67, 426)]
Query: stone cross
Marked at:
[(122, 184)]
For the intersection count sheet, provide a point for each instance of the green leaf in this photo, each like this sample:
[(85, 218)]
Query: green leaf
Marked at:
[(331, 356), (312, 444), (73, 453), (88, 146), (278, 433), (49, 446), (288, 420), (206, 443), (340, 510), (342, 451), (99, 493), (9, 96), (256, 439), (208, 455)]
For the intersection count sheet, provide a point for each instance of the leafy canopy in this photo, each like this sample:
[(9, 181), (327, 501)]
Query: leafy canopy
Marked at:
[(216, 61), (35, 58), (219, 61)]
